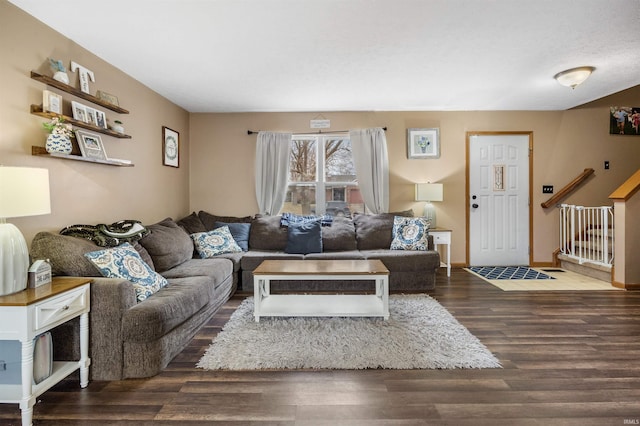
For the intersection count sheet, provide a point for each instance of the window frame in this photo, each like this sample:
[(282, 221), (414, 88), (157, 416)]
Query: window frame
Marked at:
[(320, 184)]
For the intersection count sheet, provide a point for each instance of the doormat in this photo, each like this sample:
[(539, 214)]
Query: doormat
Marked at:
[(551, 280), (509, 273)]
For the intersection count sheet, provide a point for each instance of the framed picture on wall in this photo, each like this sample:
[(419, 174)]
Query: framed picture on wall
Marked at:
[(423, 143), (624, 120), (170, 147)]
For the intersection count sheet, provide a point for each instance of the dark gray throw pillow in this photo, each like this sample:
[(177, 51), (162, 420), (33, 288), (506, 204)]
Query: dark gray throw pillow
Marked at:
[(168, 244), (304, 237)]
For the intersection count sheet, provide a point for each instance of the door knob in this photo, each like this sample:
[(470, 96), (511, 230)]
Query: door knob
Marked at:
[(474, 205)]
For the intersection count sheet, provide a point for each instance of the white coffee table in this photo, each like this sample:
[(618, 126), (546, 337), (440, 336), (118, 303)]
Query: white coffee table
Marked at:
[(320, 305)]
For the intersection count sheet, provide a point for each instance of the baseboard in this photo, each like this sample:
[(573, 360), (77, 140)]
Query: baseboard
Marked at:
[(625, 286), (542, 264)]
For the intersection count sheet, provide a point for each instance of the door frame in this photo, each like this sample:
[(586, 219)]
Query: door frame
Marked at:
[(467, 184)]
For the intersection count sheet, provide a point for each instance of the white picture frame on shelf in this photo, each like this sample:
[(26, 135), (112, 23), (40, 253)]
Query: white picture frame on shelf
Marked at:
[(101, 119), (91, 145), (79, 111), (51, 102)]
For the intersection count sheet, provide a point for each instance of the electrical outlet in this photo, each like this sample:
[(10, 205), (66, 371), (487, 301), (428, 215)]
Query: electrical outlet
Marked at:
[(547, 189)]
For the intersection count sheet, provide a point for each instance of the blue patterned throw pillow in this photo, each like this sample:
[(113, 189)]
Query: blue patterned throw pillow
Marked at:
[(410, 233), (125, 262), (213, 243)]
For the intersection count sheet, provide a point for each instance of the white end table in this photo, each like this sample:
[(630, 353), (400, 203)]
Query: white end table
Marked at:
[(443, 237), (31, 312)]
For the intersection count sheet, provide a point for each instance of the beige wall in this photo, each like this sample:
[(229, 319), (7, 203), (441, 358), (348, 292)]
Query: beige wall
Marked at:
[(84, 192), (565, 143)]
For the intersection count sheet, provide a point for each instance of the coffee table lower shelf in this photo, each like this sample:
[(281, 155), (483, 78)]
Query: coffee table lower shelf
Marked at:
[(322, 305)]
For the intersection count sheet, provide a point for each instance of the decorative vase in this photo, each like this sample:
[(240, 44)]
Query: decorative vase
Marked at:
[(117, 127), (61, 77), (58, 144)]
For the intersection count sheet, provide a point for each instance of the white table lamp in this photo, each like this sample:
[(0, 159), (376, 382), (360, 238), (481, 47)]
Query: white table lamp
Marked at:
[(429, 192), (24, 191)]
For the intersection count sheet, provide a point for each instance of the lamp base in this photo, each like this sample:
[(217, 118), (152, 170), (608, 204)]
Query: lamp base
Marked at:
[(14, 259), (430, 214)]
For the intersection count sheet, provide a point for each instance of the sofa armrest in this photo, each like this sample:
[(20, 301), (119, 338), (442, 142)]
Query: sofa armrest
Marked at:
[(110, 298)]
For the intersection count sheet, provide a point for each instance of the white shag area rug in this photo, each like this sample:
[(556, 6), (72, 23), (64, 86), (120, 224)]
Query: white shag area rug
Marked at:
[(420, 334)]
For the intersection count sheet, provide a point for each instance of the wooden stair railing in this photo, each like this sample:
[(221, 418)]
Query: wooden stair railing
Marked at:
[(551, 202)]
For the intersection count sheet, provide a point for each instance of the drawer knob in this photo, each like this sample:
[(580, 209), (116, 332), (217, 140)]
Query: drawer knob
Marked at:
[(65, 307)]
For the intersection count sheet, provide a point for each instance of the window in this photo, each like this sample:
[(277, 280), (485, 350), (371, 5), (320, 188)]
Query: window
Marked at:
[(322, 177)]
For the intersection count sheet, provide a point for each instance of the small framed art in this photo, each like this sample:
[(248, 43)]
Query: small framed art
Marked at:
[(108, 97), (423, 143), (170, 147), (51, 102), (90, 145)]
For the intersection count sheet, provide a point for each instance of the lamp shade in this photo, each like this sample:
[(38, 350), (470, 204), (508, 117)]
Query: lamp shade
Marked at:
[(429, 192), (574, 76), (24, 191)]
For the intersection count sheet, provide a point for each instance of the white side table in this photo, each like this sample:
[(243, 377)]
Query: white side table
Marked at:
[(31, 312), (443, 236)]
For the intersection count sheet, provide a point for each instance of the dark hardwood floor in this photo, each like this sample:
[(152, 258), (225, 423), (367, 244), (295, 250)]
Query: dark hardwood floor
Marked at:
[(569, 358)]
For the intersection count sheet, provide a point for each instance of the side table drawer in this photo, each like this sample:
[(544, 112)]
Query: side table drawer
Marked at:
[(62, 307), (441, 237)]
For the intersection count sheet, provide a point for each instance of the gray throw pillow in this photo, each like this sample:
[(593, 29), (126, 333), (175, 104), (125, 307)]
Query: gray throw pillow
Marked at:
[(340, 236), (375, 231), (209, 220), (267, 234), (65, 253), (192, 224), (168, 244)]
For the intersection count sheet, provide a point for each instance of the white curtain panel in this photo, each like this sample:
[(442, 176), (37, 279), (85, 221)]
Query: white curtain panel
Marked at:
[(372, 167), (272, 170)]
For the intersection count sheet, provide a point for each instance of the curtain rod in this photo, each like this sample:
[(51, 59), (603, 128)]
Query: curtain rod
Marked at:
[(251, 132)]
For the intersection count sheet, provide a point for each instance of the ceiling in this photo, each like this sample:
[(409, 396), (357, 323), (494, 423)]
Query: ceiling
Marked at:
[(359, 55)]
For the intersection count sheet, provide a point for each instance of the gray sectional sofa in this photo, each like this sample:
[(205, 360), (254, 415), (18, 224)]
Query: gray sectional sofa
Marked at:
[(130, 339)]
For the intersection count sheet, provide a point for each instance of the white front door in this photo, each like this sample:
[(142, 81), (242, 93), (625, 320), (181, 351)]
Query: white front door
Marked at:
[(498, 204)]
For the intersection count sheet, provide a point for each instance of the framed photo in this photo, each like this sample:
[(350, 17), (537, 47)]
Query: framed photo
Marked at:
[(624, 120), (51, 102), (107, 97), (90, 145), (101, 119), (79, 111), (170, 147), (423, 143)]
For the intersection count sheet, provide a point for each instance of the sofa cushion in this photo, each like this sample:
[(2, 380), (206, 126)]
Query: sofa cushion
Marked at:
[(213, 243), (340, 236), (375, 231), (209, 220), (267, 234), (65, 253), (410, 233), (125, 262), (405, 260), (217, 269), (168, 244), (192, 224), (239, 232), (167, 309), (304, 237)]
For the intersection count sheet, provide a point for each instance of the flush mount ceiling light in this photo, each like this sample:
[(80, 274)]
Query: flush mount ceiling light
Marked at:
[(574, 76)]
